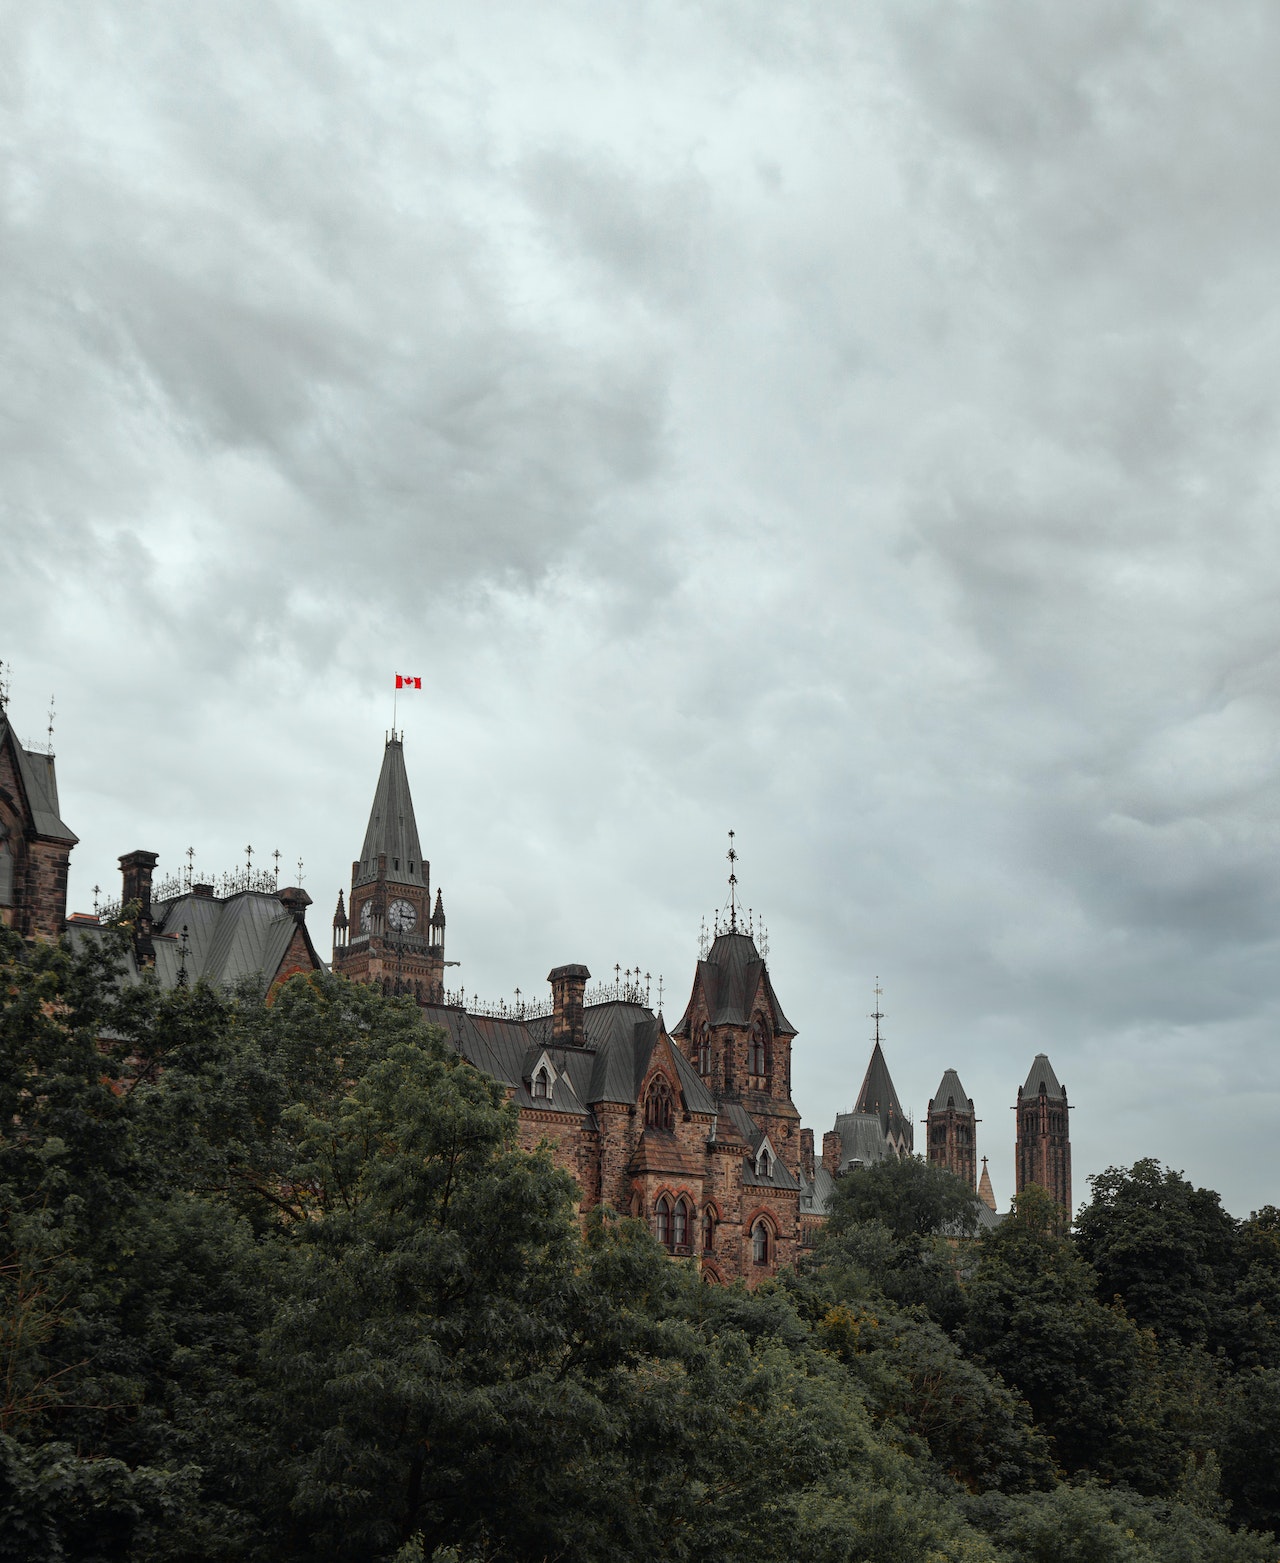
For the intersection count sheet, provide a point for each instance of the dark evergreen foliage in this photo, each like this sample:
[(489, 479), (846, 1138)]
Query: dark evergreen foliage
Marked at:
[(277, 1283)]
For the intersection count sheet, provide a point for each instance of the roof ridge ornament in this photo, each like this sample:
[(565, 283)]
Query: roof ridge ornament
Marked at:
[(877, 1014), (732, 857)]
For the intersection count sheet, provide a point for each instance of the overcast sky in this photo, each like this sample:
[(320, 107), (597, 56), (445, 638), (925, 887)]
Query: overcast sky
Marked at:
[(855, 425)]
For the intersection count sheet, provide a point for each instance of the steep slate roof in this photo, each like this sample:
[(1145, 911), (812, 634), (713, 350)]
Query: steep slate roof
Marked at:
[(950, 1093), (392, 826), (731, 976), (619, 1043), (39, 780), (241, 939), (877, 1094), (815, 1197), (1041, 1075)]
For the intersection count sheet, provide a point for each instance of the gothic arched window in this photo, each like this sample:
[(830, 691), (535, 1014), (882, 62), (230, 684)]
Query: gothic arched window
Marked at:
[(764, 1163), (680, 1225), (702, 1037), (760, 1243), (759, 1046), (542, 1082), (659, 1105), (6, 868), (662, 1220), (708, 1230)]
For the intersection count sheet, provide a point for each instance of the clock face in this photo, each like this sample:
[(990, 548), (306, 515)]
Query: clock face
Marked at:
[(402, 916), (366, 916)]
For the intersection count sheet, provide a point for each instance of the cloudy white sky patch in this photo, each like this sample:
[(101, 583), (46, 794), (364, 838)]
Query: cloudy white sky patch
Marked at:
[(855, 426)]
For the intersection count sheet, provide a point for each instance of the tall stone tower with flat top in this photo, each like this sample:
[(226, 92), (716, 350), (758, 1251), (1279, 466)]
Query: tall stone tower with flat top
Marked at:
[(1044, 1135), (389, 934)]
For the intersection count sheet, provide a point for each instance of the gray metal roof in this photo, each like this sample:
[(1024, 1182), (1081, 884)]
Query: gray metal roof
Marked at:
[(38, 777), (609, 1067), (815, 1197), (731, 978), (878, 1094), (241, 939), (392, 827), (1041, 1077), (862, 1138), (950, 1093)]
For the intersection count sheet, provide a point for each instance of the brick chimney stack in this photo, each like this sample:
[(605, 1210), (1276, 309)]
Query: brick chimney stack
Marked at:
[(295, 900), (806, 1154), (136, 869), (568, 985), (831, 1148)]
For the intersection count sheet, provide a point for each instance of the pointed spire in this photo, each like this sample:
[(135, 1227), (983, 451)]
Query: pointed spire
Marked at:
[(340, 915), (985, 1192), (437, 917), (393, 830)]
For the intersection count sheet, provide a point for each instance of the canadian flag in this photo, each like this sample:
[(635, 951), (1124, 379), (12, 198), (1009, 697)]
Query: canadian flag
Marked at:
[(406, 681)]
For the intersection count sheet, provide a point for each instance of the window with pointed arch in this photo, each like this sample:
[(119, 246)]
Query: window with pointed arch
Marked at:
[(662, 1220), (709, 1230), (542, 1083), (659, 1106), (760, 1243), (702, 1041), (760, 1039), (680, 1225)]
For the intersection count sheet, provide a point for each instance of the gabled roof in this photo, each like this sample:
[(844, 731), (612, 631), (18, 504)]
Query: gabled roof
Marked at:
[(730, 979), (38, 778), (241, 939), (950, 1093), (1041, 1078), (877, 1094), (392, 828)]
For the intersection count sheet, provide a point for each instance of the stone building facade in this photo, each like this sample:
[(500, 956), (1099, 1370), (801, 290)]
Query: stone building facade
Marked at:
[(1043, 1150), (35, 844), (951, 1132), (691, 1129)]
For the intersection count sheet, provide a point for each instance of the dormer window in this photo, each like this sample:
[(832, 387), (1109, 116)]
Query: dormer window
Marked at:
[(764, 1163), (411, 868), (541, 1087)]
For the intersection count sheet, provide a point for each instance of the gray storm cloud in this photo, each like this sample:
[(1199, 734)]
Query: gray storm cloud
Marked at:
[(854, 427)]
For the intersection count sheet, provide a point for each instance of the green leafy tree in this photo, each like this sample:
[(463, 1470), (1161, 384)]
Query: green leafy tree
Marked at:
[(1167, 1249)]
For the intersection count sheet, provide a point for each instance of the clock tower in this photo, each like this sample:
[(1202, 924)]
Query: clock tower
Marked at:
[(389, 934)]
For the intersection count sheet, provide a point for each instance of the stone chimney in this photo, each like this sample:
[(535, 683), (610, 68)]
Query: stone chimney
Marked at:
[(202, 892), (136, 869), (296, 901), (568, 984), (832, 1146), (806, 1154)]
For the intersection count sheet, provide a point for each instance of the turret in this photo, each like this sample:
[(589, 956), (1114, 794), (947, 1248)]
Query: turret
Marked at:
[(340, 925)]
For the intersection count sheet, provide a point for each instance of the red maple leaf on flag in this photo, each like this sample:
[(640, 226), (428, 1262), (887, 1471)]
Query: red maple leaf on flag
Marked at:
[(407, 681)]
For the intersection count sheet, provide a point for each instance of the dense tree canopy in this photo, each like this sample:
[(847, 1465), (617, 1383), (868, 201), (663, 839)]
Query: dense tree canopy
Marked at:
[(276, 1282)]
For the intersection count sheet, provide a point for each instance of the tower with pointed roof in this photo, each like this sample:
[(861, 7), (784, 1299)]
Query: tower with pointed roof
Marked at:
[(878, 1096), (735, 1034), (951, 1130), (35, 844), (1043, 1150), (387, 932)]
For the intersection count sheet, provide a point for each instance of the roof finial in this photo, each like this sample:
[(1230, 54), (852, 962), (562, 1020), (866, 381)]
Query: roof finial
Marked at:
[(4, 686), (190, 857), (50, 729), (877, 1014), (732, 856)]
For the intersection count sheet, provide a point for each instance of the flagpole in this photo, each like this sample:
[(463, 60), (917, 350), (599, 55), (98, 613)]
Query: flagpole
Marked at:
[(395, 701)]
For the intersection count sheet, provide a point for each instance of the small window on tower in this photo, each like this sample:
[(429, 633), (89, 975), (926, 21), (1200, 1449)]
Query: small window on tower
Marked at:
[(395, 863), (411, 867)]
